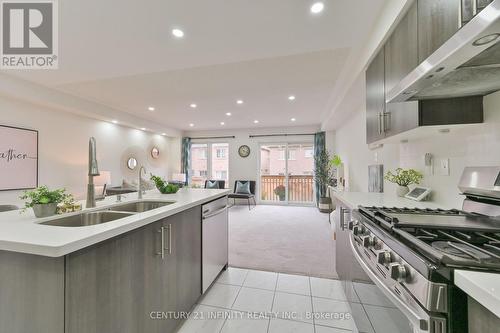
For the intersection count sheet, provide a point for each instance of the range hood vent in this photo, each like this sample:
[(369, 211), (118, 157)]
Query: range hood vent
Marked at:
[(468, 64)]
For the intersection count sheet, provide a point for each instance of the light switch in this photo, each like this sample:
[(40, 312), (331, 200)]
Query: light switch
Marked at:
[(444, 167)]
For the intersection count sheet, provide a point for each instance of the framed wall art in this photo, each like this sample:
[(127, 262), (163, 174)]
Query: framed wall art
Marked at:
[(18, 158)]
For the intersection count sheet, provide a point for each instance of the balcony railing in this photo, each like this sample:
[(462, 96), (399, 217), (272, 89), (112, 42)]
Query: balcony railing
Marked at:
[(300, 188)]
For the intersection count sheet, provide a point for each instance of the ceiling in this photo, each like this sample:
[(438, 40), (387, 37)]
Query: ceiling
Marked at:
[(122, 54)]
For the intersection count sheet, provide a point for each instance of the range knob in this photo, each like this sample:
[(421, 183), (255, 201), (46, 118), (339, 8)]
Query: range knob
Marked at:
[(356, 230), (384, 257), (368, 241), (351, 224), (398, 272)]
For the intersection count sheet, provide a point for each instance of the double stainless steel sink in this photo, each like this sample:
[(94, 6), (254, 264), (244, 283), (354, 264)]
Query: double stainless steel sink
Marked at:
[(106, 214)]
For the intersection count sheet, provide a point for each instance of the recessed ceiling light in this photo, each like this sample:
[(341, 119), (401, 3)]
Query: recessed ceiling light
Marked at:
[(222, 123), (151, 108), (178, 33), (163, 134), (228, 114), (143, 128), (114, 121), (293, 119), (317, 7), (239, 101), (291, 97), (256, 121), (191, 125), (192, 105)]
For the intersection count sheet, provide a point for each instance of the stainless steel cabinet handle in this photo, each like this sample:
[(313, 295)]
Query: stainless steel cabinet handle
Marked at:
[(342, 217), (386, 115), (380, 123), (162, 251), (217, 212), (169, 247)]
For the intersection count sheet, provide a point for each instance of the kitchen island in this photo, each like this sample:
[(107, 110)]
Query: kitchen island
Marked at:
[(109, 277)]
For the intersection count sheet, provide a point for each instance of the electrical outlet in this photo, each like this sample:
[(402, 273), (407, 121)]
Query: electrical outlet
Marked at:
[(444, 167)]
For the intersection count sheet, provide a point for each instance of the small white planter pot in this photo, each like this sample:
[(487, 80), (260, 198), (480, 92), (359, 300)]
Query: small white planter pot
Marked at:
[(401, 191)]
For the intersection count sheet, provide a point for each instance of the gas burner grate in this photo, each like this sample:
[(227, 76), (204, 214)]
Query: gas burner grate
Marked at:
[(477, 246), (406, 210)]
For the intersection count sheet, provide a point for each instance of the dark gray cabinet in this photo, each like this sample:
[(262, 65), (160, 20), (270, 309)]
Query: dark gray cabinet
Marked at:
[(438, 20), (375, 98), (401, 49), (31, 293), (116, 285), (401, 57), (425, 26)]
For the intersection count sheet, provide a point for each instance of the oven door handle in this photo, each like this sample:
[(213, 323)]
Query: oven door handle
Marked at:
[(420, 321)]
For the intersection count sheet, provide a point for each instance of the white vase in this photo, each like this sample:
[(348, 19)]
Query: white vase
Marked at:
[(401, 191)]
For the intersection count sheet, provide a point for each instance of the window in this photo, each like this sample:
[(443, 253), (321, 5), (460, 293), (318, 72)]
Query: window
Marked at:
[(199, 165), (221, 153), (209, 161), (291, 155), (202, 154), (282, 155), (308, 153), (221, 175)]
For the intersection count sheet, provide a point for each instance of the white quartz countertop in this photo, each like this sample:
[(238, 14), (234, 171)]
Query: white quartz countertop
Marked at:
[(354, 199), (22, 232), (483, 287)]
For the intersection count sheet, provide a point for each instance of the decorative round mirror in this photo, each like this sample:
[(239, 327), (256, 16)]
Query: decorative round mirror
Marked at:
[(155, 152), (131, 163)]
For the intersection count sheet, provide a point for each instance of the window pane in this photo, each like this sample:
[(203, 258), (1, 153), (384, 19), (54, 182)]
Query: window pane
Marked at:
[(272, 171), (300, 170), (199, 165), (220, 162)]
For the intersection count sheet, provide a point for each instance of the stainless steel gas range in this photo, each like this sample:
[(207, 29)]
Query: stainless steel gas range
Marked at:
[(410, 254)]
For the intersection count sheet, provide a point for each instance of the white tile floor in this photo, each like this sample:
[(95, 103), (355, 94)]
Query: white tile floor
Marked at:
[(265, 302)]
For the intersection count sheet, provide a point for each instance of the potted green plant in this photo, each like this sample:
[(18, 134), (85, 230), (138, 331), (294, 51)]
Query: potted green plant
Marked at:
[(323, 176), (280, 192), (403, 178), (44, 201), (163, 186)]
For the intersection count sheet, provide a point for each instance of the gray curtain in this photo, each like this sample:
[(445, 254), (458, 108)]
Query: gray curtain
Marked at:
[(186, 158), (319, 147)]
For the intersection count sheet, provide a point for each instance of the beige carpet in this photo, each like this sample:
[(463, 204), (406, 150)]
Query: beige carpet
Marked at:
[(281, 239)]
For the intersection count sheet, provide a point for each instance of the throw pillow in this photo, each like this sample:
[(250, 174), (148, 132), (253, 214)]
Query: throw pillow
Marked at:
[(243, 187), (212, 184)]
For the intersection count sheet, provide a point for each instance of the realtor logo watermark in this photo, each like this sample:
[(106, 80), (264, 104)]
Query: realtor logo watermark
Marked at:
[(29, 34)]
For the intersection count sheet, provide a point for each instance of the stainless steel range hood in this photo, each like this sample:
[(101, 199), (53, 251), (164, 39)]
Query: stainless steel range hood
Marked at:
[(468, 64)]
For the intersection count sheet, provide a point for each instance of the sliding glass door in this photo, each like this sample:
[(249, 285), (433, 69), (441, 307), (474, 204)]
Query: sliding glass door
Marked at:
[(286, 173)]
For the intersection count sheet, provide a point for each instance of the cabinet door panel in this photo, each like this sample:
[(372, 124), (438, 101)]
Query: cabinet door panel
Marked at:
[(31, 293), (112, 287), (375, 98), (182, 264), (438, 20), (401, 50), (400, 117), (188, 248)]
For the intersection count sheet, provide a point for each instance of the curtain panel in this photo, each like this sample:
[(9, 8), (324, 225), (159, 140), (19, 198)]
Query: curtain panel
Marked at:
[(319, 147), (186, 158)]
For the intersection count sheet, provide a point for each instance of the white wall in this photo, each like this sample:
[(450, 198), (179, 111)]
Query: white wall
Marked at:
[(248, 168), (63, 147), (477, 145)]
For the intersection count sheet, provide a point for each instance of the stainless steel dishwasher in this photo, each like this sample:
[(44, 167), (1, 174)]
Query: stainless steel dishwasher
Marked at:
[(214, 240)]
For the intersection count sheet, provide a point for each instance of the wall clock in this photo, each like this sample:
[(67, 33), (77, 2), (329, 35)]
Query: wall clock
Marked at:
[(244, 151)]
